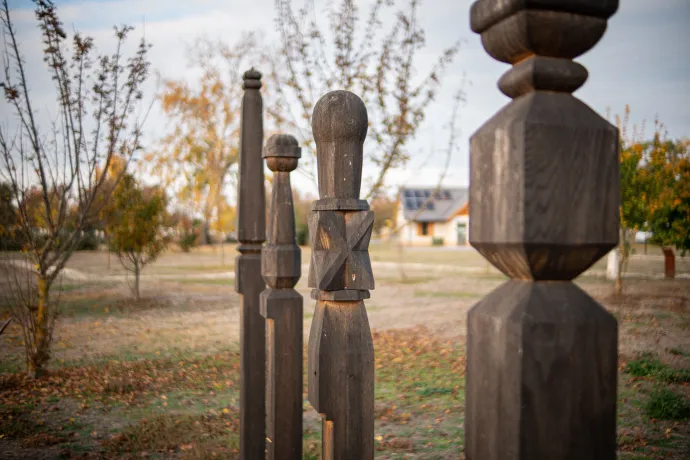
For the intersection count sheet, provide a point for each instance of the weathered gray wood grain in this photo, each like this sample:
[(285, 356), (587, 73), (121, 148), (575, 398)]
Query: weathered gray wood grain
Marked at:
[(282, 307), (544, 206), (341, 351), (341, 378), (251, 231), (541, 375)]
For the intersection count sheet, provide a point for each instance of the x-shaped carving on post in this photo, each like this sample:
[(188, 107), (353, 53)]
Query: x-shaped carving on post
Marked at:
[(339, 241)]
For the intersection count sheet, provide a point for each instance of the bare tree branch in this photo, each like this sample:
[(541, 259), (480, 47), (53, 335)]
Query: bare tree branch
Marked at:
[(71, 157)]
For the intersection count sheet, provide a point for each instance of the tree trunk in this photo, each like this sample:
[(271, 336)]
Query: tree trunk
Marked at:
[(624, 249), (137, 273), (107, 250), (669, 262), (619, 285), (40, 349), (219, 211), (619, 271)]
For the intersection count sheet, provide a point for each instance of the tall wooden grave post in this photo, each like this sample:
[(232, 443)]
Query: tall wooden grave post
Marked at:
[(341, 352), (281, 305), (544, 197), (251, 233)]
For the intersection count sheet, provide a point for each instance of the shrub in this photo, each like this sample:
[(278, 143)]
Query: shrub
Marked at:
[(302, 234), (88, 242), (649, 366), (10, 242), (645, 366), (437, 241), (664, 404), (188, 240)]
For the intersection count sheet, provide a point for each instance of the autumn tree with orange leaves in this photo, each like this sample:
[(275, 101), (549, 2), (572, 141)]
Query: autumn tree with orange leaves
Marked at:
[(136, 216), (199, 155), (655, 191), (669, 189)]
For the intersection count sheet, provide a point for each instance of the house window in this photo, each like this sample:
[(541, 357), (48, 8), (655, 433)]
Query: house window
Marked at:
[(423, 228)]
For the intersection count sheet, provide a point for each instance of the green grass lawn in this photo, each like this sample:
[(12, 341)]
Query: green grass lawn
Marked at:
[(186, 406)]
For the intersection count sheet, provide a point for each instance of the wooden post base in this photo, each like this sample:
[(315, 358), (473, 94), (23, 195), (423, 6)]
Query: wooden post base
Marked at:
[(252, 357), (541, 375), (341, 379), (283, 312)]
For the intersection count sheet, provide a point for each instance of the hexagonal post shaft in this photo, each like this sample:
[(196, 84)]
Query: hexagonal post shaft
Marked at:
[(544, 199), (281, 305), (251, 233), (341, 351)]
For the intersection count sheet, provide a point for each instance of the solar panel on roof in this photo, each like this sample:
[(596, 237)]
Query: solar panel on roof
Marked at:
[(410, 204), (446, 194), (418, 193), (409, 193), (427, 193), (430, 206)]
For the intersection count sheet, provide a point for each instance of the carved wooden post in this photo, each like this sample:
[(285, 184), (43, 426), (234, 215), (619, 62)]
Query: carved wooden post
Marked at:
[(341, 352), (281, 305), (544, 197), (251, 232)]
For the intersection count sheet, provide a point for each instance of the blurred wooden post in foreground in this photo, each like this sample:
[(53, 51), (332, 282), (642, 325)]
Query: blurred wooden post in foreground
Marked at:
[(544, 207), (251, 233), (281, 305), (341, 352)]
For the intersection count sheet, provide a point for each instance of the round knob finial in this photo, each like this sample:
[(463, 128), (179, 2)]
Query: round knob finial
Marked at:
[(282, 152), (339, 125), (252, 79)]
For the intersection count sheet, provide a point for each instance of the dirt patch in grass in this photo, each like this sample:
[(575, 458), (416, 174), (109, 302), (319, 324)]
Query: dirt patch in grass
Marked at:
[(447, 294), (100, 304), (189, 436)]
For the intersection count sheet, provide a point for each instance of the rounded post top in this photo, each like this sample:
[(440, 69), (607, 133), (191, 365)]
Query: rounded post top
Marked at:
[(282, 145), (340, 116), (252, 79), (282, 153), (339, 124)]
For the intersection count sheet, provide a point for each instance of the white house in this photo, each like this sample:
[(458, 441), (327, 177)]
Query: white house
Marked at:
[(431, 215)]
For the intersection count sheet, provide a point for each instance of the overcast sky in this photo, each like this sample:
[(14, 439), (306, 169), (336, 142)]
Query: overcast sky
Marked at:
[(642, 60)]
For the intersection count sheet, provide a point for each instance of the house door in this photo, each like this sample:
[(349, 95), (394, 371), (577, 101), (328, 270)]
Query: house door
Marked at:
[(461, 230)]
